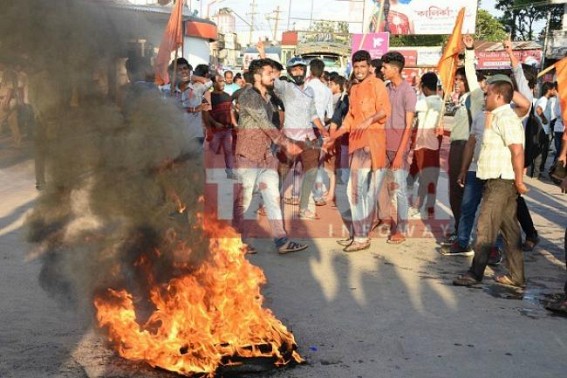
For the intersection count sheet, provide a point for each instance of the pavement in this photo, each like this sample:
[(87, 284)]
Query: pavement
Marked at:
[(390, 311)]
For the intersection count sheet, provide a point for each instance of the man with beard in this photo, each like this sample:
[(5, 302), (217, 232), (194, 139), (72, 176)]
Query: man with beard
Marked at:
[(256, 164), (369, 109), (300, 116)]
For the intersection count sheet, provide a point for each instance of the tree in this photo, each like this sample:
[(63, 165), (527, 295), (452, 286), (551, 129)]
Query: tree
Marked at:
[(488, 28), (520, 16)]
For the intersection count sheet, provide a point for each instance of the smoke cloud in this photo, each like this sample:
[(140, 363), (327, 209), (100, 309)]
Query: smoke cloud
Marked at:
[(116, 182)]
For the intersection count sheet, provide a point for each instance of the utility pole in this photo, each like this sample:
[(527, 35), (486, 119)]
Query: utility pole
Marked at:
[(288, 14), (275, 17), (251, 14)]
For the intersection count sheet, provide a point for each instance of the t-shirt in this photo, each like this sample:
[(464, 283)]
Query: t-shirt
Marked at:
[(323, 99), (403, 100), (542, 103), (221, 105), (428, 109), (231, 88)]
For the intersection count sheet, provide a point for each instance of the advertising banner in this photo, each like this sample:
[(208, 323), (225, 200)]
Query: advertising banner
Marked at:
[(377, 44), (498, 60), (418, 16)]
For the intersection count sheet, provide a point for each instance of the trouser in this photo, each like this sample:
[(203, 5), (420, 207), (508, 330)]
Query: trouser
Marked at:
[(557, 140), (258, 177), (425, 167), (11, 116), (223, 138), (399, 191), (538, 165), (565, 249), (362, 191), (472, 195), (455, 190), (309, 158), (525, 219), (498, 213)]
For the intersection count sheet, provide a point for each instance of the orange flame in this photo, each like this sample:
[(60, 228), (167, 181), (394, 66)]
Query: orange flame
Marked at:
[(202, 319)]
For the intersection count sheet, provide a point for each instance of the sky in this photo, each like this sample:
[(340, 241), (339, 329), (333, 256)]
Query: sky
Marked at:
[(295, 13)]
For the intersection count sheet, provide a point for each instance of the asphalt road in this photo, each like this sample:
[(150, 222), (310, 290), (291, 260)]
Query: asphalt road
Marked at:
[(390, 311)]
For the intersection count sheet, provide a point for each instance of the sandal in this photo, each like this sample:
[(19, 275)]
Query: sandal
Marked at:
[(291, 201), (357, 246), (320, 202), (291, 246), (504, 279), (466, 279), (396, 238), (306, 214), (345, 242), (559, 306), (249, 250)]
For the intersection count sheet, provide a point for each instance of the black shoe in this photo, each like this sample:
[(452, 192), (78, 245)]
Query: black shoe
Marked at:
[(449, 240), (457, 250)]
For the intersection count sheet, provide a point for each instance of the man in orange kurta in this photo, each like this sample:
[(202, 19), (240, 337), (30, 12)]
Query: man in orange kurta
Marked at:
[(368, 111)]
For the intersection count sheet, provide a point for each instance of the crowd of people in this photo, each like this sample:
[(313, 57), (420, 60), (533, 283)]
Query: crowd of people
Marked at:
[(297, 139), (374, 127)]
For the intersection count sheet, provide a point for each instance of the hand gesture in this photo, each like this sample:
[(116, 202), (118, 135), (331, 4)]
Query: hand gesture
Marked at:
[(521, 188), (461, 179), (396, 164), (293, 149), (468, 41), (261, 49), (507, 44)]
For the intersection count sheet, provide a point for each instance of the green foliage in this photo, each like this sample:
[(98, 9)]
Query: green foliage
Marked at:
[(520, 17), (417, 40), (488, 28)]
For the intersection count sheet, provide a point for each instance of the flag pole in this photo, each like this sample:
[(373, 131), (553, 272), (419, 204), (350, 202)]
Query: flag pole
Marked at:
[(445, 98), (172, 84), (545, 71)]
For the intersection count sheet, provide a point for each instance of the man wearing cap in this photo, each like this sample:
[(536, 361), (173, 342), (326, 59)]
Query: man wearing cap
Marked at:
[(300, 116), (501, 165)]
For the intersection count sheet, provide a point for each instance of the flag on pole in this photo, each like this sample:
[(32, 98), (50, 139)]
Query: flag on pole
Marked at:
[(561, 74), (447, 64), (171, 40)]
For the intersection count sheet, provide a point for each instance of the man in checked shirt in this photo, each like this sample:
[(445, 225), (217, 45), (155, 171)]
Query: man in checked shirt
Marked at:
[(256, 165)]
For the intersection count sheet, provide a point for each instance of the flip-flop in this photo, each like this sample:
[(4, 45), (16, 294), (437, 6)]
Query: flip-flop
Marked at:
[(306, 214), (320, 202), (396, 239), (357, 246), (291, 201)]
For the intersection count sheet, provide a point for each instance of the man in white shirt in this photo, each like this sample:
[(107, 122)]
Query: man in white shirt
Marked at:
[(559, 126), (324, 105), (425, 163), (501, 164), (543, 114)]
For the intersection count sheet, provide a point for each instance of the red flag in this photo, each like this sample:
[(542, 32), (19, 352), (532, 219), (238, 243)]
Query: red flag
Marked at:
[(561, 73), (171, 40), (447, 64)]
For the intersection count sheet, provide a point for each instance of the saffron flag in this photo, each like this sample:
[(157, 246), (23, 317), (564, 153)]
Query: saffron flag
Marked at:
[(171, 40), (561, 73), (447, 64)]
